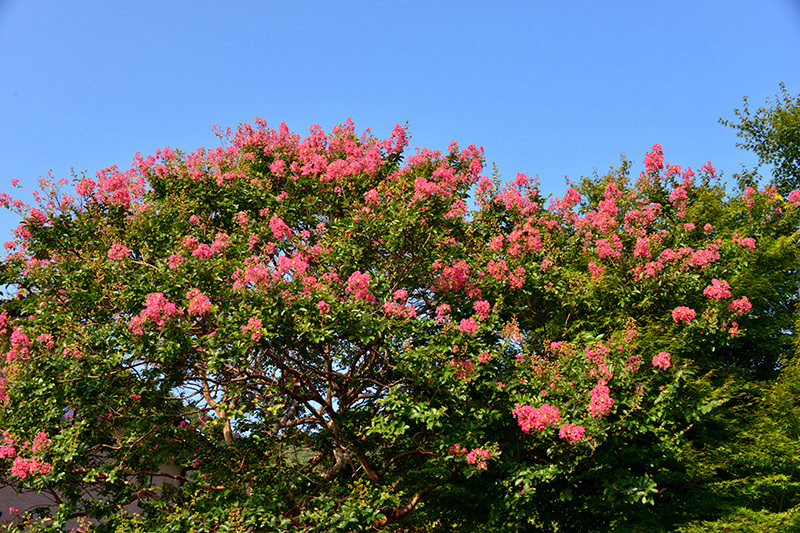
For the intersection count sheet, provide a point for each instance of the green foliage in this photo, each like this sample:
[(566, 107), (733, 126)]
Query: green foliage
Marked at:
[(773, 134)]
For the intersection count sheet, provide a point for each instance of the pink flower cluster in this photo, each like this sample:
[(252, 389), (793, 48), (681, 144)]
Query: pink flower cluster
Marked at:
[(683, 314), (572, 433), (654, 160), (23, 467), (468, 325), (662, 360), (611, 247), (402, 311), (158, 310), (371, 197), (358, 286), (199, 304), (463, 368), (794, 197), (477, 457), (279, 228), (601, 402), (740, 306), (482, 309), (744, 242), (453, 278), (538, 418), (7, 450), (118, 252), (254, 326), (19, 345), (174, 261), (718, 290)]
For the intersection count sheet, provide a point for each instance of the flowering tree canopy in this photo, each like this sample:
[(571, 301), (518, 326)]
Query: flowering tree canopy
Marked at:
[(321, 336)]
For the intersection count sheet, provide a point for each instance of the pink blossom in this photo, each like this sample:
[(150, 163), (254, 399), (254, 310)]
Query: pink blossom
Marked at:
[(662, 360), (684, 314), (442, 313), (174, 261), (453, 278), (254, 326), (601, 402), (572, 433), (458, 450), (744, 242), (718, 290), (85, 187), (740, 306), (158, 310), (610, 247), (596, 270), (468, 325), (203, 251), (19, 341), (708, 228), (278, 168), (679, 197), (482, 308), (220, 243), (538, 418), (478, 457), (323, 307), (400, 295), (794, 197), (371, 197), (190, 243), (40, 442), (463, 368), (654, 160), (358, 286), (634, 362), (710, 170), (118, 252), (279, 228), (199, 304), (22, 467)]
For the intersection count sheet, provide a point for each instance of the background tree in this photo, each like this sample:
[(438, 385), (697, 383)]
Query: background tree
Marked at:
[(773, 134)]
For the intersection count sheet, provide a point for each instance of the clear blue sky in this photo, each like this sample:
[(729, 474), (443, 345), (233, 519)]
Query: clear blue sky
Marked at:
[(549, 88)]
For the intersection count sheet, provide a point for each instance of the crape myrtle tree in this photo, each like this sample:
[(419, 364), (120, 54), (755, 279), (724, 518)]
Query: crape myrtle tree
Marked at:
[(320, 336)]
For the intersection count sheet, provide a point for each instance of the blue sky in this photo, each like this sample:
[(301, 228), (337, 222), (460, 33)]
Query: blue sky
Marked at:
[(549, 88)]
